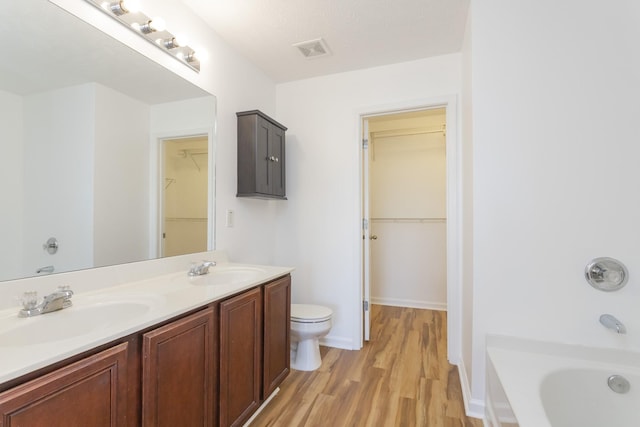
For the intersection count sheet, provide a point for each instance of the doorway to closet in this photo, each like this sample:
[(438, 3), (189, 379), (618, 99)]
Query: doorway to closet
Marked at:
[(405, 210), (184, 217)]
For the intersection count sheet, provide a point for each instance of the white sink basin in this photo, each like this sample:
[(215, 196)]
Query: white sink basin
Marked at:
[(228, 276), (72, 322)]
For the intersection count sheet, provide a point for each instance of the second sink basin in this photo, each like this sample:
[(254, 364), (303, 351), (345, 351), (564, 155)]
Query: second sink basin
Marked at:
[(228, 275)]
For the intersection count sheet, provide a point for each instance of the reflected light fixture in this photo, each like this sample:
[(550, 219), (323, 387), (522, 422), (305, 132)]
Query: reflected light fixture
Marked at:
[(119, 8), (128, 13), (151, 26), (173, 42)]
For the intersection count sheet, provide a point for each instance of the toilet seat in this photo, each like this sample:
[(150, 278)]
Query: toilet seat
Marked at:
[(308, 313)]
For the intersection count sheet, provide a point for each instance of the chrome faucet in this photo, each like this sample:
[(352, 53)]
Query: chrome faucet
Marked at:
[(53, 302), (612, 323), (200, 269)]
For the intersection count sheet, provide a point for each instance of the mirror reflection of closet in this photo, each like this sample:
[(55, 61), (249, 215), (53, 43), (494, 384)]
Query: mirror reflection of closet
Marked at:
[(185, 168)]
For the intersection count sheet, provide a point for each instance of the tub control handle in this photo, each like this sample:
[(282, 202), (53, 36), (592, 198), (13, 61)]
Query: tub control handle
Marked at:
[(606, 274)]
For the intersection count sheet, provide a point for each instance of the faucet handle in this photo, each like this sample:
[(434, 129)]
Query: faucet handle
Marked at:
[(29, 300)]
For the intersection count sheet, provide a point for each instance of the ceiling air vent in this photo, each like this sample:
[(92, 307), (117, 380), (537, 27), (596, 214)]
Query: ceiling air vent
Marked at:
[(313, 48)]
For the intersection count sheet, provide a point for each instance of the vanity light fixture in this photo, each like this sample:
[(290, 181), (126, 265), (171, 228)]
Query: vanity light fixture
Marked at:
[(151, 26), (122, 7), (151, 29), (173, 42)]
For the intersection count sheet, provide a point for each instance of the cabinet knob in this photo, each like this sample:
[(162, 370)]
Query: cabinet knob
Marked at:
[(272, 158)]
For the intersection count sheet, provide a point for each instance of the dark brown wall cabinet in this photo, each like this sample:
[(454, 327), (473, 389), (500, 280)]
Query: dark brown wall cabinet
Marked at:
[(261, 156)]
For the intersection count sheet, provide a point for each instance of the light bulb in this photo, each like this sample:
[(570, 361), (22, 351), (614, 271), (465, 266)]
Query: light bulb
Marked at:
[(122, 7), (157, 24), (131, 6), (202, 55), (181, 40), (199, 55)]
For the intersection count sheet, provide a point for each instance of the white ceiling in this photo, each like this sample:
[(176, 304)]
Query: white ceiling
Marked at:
[(359, 33)]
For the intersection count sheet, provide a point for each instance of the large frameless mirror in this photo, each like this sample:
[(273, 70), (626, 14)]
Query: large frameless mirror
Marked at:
[(99, 147)]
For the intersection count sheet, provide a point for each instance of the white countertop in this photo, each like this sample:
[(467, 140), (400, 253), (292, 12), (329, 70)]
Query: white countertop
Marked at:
[(101, 316)]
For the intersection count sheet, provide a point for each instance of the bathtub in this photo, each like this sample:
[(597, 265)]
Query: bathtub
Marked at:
[(554, 385)]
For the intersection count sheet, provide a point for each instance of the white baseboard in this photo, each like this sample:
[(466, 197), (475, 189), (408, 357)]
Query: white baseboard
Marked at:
[(338, 342), (473, 407), (396, 302)]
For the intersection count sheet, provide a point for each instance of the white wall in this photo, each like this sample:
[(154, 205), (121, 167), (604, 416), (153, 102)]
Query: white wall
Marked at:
[(58, 177), (11, 177), (555, 112), (319, 226), (465, 364), (121, 178)]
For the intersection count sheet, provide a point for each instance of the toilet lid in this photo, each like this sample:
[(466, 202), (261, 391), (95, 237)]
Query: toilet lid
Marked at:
[(310, 313)]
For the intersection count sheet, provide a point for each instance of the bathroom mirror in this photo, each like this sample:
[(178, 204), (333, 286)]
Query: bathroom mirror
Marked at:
[(79, 116)]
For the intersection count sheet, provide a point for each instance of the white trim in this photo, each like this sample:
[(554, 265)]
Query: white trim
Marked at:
[(454, 215), (396, 302), (264, 405), (155, 194), (473, 407)]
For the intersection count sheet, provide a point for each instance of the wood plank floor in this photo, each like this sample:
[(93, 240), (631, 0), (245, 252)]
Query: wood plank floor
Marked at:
[(399, 378)]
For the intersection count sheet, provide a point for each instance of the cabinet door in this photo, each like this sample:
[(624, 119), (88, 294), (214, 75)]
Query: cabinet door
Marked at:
[(277, 327), (240, 357), (277, 161), (178, 372), (263, 153), (90, 392)]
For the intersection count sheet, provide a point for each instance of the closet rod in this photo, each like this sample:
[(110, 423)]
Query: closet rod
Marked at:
[(183, 219), (409, 219)]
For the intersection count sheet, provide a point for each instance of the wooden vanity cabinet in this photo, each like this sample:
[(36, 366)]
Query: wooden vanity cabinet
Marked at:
[(240, 357), (179, 372), (89, 392), (214, 366), (261, 156), (277, 336), (254, 348)]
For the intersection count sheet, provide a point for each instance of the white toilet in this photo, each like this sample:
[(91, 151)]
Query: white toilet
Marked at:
[(308, 323)]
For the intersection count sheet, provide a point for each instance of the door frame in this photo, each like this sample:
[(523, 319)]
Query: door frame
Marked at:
[(156, 185), (454, 211)]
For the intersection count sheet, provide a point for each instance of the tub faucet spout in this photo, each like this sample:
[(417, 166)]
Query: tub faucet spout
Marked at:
[(612, 323)]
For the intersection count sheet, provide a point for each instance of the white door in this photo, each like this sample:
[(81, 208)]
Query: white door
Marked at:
[(366, 231)]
